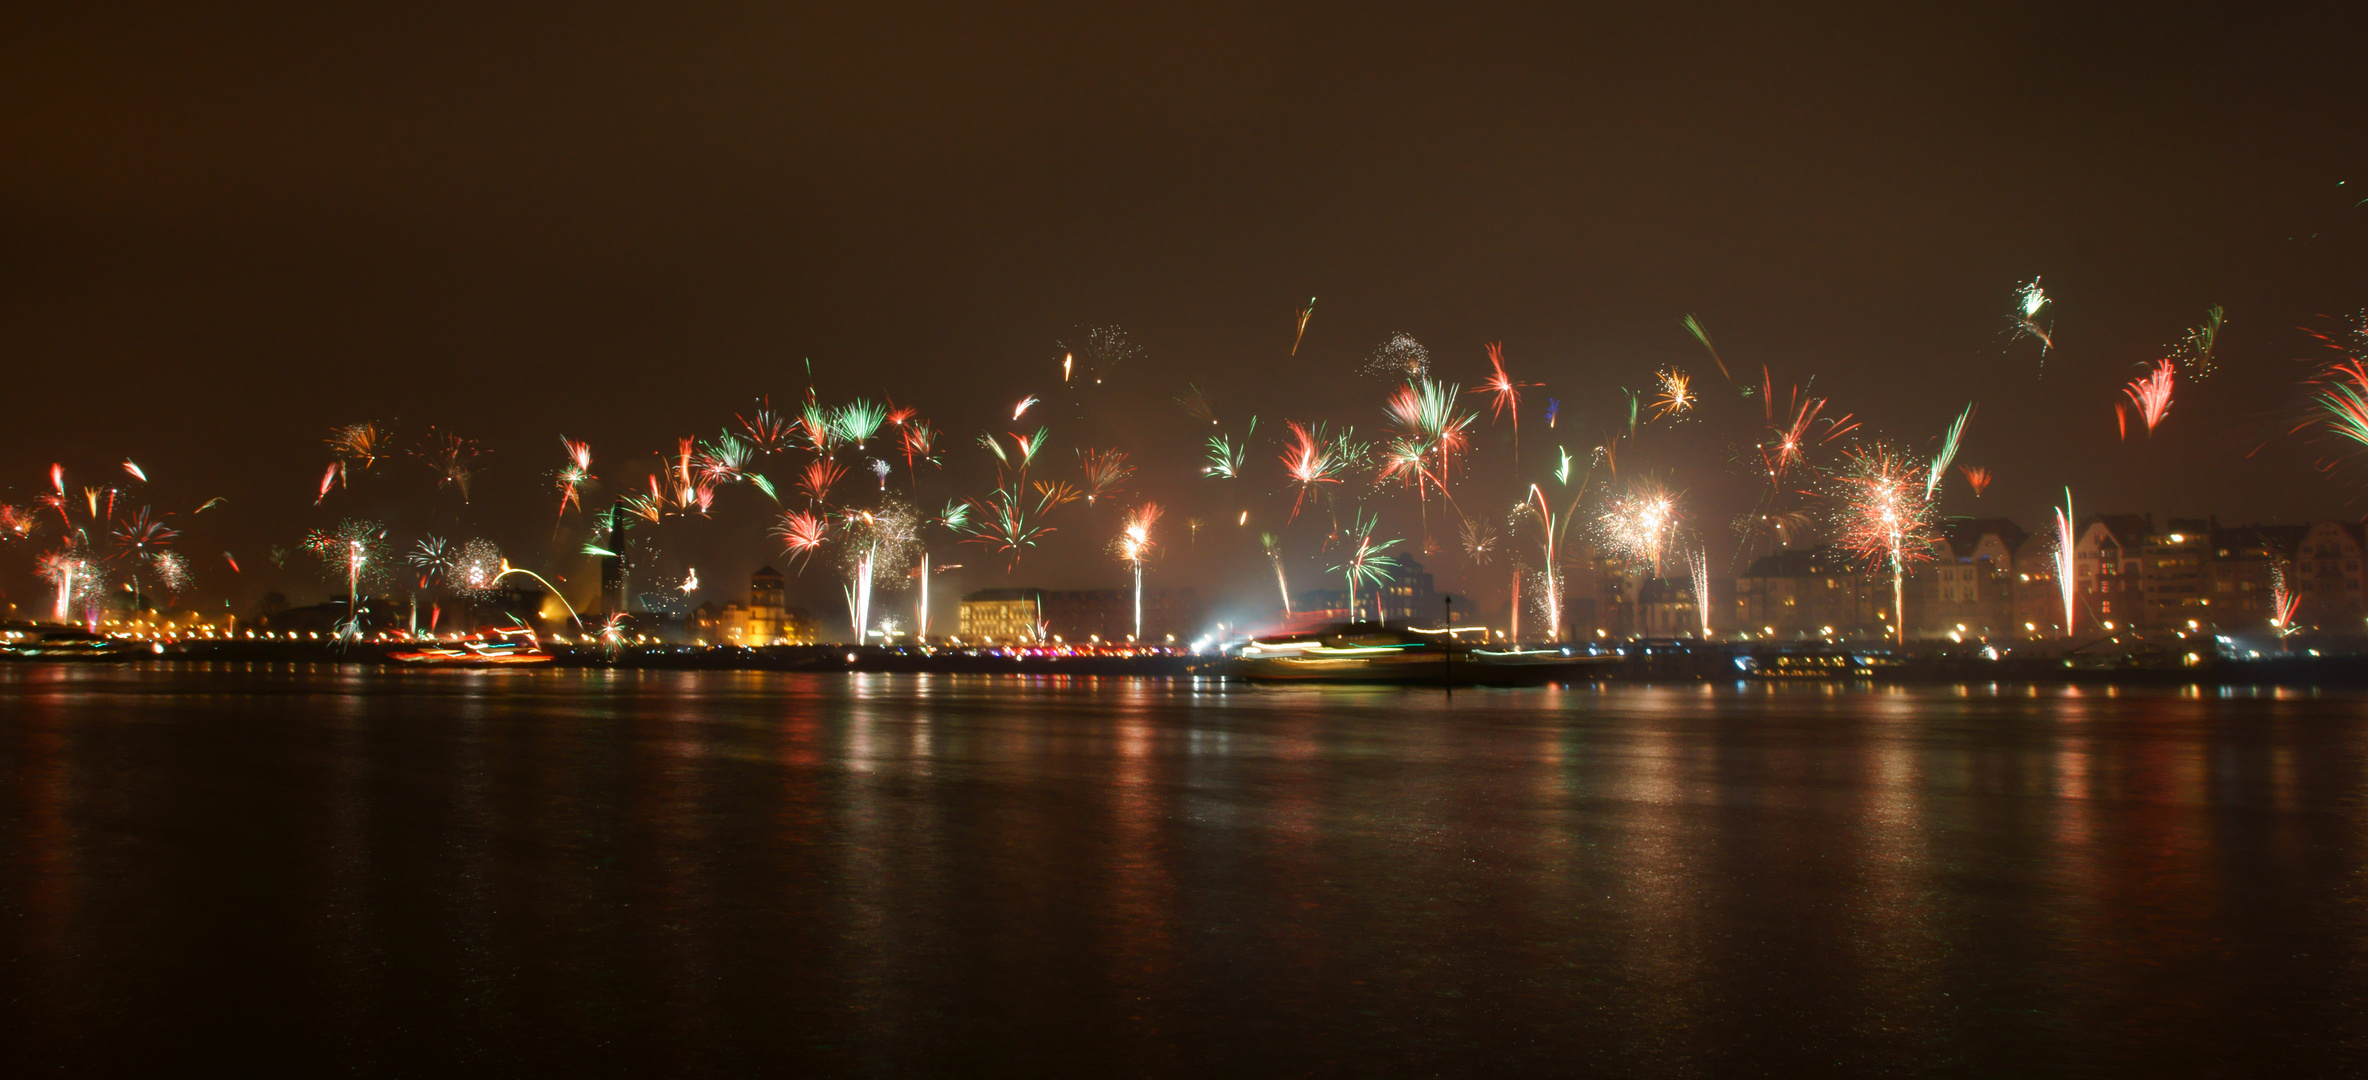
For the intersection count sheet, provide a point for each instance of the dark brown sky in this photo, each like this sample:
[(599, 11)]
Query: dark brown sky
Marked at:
[(220, 233)]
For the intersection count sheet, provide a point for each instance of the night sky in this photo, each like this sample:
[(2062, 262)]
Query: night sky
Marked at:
[(222, 234)]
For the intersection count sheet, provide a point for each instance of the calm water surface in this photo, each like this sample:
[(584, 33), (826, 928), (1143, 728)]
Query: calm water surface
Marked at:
[(315, 869)]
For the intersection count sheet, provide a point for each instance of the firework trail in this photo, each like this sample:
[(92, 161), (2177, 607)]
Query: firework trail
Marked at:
[(2282, 599), (1978, 477), (1698, 566), (1939, 469), (1133, 545), (1305, 314), (1022, 408), (226, 557), (2066, 561), (133, 469), (74, 576), (327, 479), (2151, 394), (1550, 584), (2029, 301), (1553, 409), (1694, 326), (1274, 554), (1883, 518)]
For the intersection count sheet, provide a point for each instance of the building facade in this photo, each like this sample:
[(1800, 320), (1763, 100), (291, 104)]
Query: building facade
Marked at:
[(1810, 592), (764, 620), (995, 616)]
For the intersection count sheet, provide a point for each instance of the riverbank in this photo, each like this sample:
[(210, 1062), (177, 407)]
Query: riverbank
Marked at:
[(1636, 663)]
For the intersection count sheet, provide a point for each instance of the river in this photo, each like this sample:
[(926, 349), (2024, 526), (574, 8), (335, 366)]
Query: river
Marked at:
[(313, 869)]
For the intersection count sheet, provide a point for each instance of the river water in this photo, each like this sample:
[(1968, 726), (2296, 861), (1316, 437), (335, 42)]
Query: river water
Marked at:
[(292, 869)]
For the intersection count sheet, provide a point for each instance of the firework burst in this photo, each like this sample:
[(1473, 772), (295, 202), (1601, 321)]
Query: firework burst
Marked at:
[(1675, 394), (1401, 358), (1105, 472), (1882, 516), (1226, 455), (1504, 395), (1309, 460), (2151, 394), (769, 432), (476, 569), (1638, 524), (1366, 561), (2196, 349), (2029, 302), (857, 421)]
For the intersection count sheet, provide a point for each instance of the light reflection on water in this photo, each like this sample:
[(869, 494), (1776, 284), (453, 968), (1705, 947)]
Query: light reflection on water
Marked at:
[(701, 872)]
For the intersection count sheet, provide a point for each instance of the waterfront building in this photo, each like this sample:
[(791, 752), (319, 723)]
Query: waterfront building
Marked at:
[(764, 620), (1668, 608), (1810, 592), (1971, 581), (2109, 567), (2327, 576), (1002, 615), (1079, 616), (1408, 598)]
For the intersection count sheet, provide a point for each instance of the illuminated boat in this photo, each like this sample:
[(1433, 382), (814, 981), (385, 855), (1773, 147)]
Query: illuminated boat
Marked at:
[(514, 648), (1369, 653), (75, 645), (1809, 662)]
